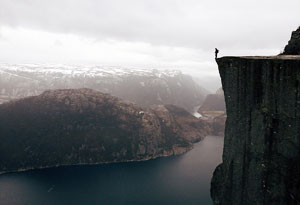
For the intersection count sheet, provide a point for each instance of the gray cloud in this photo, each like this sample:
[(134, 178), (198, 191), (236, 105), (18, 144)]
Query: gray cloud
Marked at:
[(200, 24)]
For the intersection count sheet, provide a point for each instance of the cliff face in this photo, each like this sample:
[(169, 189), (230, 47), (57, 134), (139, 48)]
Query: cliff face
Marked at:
[(83, 126), (261, 157)]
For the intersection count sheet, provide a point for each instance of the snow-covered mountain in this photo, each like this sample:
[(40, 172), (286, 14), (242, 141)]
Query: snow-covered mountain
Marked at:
[(145, 87)]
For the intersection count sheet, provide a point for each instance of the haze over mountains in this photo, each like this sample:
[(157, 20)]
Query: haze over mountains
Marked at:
[(213, 110), (141, 86), (54, 115), (97, 82)]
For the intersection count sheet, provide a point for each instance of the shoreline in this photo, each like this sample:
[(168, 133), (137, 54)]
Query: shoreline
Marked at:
[(187, 149)]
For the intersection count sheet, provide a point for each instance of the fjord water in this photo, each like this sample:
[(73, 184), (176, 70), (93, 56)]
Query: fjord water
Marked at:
[(181, 179)]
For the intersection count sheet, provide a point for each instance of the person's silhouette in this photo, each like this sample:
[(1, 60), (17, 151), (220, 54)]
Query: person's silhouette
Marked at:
[(216, 52)]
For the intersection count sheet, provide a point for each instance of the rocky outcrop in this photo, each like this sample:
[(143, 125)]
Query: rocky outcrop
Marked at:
[(214, 112), (293, 47), (213, 105), (217, 125), (261, 154), (83, 126), (193, 129)]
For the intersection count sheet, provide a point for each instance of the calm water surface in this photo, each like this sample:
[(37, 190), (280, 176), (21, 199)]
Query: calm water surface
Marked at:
[(183, 179)]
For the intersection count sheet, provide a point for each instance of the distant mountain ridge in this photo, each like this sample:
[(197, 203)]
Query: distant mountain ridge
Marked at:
[(214, 111), (84, 126), (141, 86), (213, 102)]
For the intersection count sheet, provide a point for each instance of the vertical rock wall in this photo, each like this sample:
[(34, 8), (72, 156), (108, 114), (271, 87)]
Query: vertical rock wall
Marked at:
[(261, 157)]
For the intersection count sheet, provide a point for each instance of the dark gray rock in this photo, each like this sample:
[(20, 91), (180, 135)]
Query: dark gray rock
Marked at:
[(261, 157), (293, 47)]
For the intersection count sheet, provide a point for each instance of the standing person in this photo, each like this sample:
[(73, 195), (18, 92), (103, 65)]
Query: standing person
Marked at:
[(216, 52)]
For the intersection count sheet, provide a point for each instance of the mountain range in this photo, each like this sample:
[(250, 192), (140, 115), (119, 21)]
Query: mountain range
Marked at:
[(141, 86)]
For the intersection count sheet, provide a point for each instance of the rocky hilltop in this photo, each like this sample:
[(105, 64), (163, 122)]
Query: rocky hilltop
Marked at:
[(261, 154), (213, 111), (143, 87), (83, 126), (293, 47), (214, 104)]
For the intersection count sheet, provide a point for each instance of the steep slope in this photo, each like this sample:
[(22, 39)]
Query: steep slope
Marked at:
[(214, 104), (193, 129), (217, 125), (261, 154), (293, 47), (143, 87), (214, 112), (83, 126)]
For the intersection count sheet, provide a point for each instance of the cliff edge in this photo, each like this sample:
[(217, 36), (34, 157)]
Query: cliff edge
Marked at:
[(261, 157)]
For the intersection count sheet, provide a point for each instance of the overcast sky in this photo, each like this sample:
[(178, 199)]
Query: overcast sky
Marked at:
[(146, 33)]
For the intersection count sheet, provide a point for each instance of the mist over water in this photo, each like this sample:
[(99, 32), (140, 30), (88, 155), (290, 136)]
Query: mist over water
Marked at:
[(182, 179)]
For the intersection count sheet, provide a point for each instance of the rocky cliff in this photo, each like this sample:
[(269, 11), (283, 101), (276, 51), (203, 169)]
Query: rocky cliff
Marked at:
[(214, 112), (83, 126), (213, 103), (261, 157), (293, 47)]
